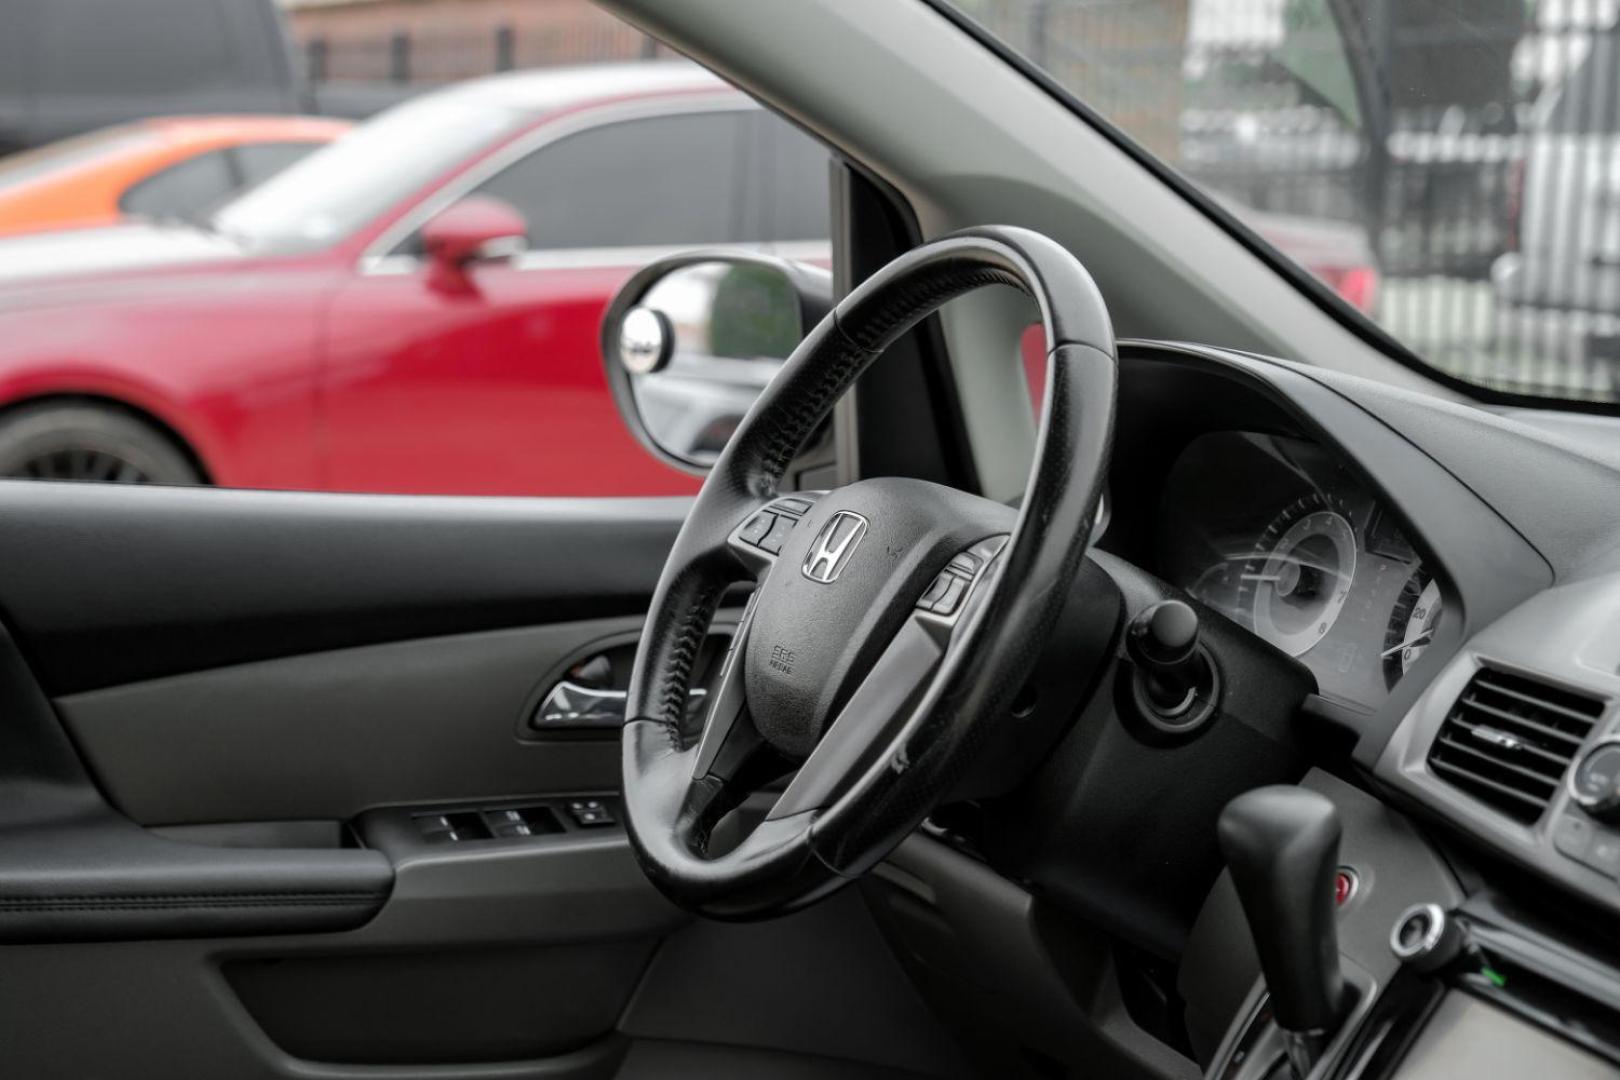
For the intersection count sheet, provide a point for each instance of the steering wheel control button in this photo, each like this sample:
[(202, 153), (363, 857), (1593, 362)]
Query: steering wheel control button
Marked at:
[(1425, 938), (955, 588), (1594, 784), (1573, 835), (944, 594), (758, 527), (936, 592), (778, 534)]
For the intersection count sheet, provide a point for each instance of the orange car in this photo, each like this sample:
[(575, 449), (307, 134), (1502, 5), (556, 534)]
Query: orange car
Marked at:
[(157, 168)]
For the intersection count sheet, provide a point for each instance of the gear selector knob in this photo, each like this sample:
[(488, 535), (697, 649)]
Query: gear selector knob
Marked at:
[(1282, 844)]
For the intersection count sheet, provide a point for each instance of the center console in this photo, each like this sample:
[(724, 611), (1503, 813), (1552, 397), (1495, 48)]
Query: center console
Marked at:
[(1369, 962)]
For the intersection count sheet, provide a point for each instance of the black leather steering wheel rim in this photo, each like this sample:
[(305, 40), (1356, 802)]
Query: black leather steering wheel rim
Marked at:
[(671, 801)]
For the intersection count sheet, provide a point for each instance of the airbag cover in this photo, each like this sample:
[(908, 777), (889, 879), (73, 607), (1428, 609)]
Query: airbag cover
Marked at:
[(813, 640)]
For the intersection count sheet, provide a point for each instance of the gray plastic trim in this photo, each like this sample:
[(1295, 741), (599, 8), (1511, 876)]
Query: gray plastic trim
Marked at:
[(163, 1009), (973, 938), (1568, 636), (1467, 1037), (330, 734)]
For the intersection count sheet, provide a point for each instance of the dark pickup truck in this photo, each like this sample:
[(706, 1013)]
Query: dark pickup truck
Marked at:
[(70, 66)]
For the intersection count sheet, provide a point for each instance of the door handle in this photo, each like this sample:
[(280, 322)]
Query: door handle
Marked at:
[(572, 707)]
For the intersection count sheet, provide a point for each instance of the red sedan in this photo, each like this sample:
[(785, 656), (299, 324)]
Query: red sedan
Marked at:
[(412, 308)]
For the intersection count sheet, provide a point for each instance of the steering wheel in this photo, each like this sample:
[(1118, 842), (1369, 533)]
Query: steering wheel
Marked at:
[(893, 621)]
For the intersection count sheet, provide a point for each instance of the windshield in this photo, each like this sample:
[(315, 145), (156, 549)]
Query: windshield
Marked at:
[(1452, 170), (340, 187)]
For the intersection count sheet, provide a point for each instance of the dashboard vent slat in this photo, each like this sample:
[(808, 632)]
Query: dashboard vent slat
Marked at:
[(1509, 740), (1563, 738), (1463, 778), (1533, 780)]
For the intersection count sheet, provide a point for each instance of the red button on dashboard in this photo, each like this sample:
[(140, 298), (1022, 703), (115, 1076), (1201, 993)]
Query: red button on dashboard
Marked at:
[(1344, 886)]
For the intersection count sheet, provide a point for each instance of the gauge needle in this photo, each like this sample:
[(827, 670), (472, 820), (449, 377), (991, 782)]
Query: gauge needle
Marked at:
[(1309, 564), (1420, 639)]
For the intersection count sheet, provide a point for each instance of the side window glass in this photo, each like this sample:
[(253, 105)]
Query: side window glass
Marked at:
[(667, 180), (187, 190), (258, 162), (795, 197)]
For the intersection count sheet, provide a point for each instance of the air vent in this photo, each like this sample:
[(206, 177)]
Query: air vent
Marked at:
[(1509, 740)]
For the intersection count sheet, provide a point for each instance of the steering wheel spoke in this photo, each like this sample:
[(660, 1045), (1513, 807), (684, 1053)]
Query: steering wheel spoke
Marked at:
[(875, 713), (727, 721)]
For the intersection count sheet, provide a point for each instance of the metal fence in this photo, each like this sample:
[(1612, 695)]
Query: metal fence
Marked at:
[(445, 56), (1475, 147), (1475, 156)]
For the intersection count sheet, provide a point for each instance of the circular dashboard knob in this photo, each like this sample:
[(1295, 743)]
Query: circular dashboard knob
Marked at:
[(1175, 683), (1167, 633), (1594, 783), (1425, 938)]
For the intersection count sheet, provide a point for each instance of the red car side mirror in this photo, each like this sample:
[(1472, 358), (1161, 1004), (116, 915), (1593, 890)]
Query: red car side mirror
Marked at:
[(475, 228)]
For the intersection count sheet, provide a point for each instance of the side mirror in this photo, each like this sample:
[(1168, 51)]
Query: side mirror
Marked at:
[(474, 229), (691, 340)]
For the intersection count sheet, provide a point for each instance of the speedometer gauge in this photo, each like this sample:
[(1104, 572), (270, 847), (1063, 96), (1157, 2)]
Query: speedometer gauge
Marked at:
[(1411, 625), (1299, 575)]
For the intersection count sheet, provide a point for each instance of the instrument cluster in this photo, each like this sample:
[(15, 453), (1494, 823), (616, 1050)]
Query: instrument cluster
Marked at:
[(1277, 535)]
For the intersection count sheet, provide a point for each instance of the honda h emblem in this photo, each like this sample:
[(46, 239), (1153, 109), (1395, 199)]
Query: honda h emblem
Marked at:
[(833, 546)]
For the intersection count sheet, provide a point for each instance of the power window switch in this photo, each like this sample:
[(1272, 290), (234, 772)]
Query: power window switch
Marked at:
[(507, 830), (590, 812), (431, 824)]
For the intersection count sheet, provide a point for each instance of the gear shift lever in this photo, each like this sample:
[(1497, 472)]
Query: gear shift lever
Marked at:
[(1282, 844)]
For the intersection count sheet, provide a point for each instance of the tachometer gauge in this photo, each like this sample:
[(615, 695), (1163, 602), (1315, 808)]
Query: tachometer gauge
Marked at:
[(1411, 625), (1299, 576)]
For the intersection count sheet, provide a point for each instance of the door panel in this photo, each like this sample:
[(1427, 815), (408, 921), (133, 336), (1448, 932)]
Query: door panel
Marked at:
[(423, 721), (190, 682), (225, 718), (112, 584)]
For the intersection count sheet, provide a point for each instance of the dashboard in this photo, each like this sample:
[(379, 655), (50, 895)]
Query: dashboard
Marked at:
[(1447, 583), (1450, 581), (1274, 533)]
